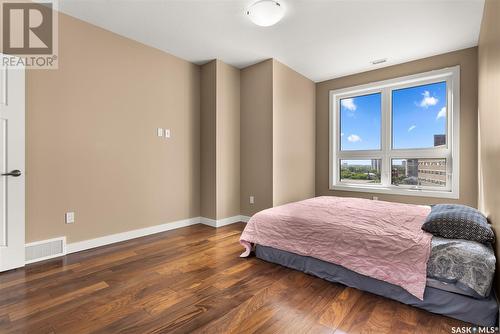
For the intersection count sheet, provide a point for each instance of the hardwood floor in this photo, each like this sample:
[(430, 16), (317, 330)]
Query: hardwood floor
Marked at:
[(191, 280)]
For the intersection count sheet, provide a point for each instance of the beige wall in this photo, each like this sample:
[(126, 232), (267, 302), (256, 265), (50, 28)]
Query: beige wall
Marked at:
[(92, 145), (208, 140), (91, 137), (220, 140), (228, 141), (277, 136), (256, 145), (293, 135), (467, 59), (489, 115)]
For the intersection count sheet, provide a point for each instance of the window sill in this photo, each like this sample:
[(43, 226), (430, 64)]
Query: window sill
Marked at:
[(396, 191)]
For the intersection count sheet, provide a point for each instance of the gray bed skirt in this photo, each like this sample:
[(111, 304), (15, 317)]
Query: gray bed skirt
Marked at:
[(482, 312)]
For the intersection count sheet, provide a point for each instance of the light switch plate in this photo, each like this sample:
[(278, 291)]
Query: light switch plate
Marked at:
[(167, 133), (159, 132), (69, 217), (252, 200)]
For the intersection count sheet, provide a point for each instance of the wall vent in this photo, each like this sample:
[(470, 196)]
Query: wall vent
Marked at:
[(379, 61), (45, 249)]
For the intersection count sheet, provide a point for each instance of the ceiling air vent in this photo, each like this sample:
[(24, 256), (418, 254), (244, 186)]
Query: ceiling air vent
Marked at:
[(379, 61)]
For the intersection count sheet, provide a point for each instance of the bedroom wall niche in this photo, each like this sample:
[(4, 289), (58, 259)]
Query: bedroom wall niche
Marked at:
[(92, 145), (208, 140), (294, 117), (257, 137), (220, 140), (467, 59), (277, 136), (489, 117)]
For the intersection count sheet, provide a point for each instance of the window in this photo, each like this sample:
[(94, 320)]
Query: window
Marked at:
[(398, 136)]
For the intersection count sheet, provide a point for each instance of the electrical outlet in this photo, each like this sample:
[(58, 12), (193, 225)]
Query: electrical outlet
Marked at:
[(375, 198), (69, 217), (252, 200)]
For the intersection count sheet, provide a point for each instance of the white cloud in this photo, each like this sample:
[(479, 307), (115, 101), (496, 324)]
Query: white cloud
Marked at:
[(441, 113), (428, 100), (349, 104), (354, 138), (411, 128)]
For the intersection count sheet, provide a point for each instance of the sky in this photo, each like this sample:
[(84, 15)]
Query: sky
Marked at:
[(360, 122), (418, 113)]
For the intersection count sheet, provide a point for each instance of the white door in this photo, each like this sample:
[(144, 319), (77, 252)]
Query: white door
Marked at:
[(11, 167)]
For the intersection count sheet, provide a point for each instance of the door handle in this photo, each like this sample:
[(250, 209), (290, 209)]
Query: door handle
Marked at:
[(14, 173)]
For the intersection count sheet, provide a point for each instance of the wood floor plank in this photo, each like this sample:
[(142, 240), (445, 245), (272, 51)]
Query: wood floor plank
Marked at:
[(301, 310), (357, 319), (340, 308), (382, 318), (191, 280), (24, 310), (232, 321), (36, 276)]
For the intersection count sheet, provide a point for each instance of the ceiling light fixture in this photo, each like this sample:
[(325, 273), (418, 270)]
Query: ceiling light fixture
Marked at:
[(265, 13)]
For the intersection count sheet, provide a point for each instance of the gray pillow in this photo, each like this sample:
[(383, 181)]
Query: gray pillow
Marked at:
[(455, 221)]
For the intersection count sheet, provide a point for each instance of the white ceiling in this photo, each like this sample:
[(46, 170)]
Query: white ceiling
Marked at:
[(321, 39)]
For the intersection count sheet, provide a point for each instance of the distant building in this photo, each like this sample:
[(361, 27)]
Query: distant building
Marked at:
[(411, 167), (376, 164), (432, 172), (439, 140)]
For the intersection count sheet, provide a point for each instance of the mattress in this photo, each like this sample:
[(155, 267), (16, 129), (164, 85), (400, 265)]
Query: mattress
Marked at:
[(482, 312), (461, 266), (383, 240)]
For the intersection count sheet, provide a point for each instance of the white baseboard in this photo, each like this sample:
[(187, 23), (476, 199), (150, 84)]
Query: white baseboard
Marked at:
[(245, 219), (225, 221), (123, 236), (113, 238)]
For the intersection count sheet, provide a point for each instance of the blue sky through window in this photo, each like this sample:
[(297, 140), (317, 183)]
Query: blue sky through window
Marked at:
[(418, 113), (360, 122)]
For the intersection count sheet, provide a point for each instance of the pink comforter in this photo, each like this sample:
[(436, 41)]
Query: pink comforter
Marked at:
[(378, 239)]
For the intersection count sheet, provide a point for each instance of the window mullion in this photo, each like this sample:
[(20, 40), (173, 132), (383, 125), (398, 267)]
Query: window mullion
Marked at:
[(386, 137)]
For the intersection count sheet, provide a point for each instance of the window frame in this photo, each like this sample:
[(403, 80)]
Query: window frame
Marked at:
[(451, 152)]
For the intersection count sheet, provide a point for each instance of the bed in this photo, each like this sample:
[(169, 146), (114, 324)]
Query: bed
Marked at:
[(379, 247)]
